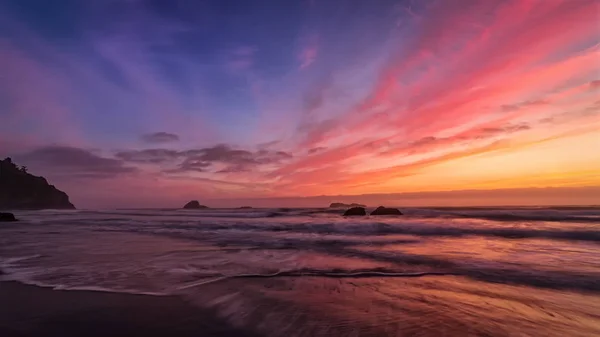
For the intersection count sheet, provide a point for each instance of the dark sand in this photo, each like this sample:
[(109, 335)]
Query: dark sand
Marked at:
[(35, 311)]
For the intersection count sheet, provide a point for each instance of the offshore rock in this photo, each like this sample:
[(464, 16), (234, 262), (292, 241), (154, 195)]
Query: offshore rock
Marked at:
[(194, 204), (386, 211), (7, 217), (355, 211), (342, 205)]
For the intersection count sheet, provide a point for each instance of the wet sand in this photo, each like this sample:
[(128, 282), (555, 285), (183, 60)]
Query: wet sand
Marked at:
[(36, 311)]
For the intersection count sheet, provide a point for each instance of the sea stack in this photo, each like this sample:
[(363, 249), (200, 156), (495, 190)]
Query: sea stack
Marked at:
[(194, 204), (7, 217), (342, 205), (355, 211), (386, 211), (22, 190)]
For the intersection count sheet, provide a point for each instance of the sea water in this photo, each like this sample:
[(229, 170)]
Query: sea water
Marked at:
[(312, 272)]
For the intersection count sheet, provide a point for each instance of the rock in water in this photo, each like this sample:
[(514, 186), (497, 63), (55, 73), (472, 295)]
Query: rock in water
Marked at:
[(355, 211), (342, 205), (386, 211), (22, 190), (7, 217), (194, 204)]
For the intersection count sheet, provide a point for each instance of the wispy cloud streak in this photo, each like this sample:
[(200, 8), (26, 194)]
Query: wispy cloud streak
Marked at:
[(301, 100)]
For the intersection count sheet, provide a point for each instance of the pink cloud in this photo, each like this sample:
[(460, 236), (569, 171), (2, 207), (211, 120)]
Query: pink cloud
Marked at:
[(497, 65), (52, 92), (526, 52), (309, 52), (240, 64), (245, 50), (36, 99), (241, 59)]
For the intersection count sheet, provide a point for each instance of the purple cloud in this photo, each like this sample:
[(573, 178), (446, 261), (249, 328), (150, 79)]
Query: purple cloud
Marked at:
[(160, 137), (69, 161)]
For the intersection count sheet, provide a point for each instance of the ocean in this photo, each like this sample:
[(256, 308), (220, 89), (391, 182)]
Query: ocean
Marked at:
[(500, 271)]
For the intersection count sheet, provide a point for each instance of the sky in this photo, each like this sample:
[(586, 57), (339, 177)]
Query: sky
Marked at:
[(151, 103)]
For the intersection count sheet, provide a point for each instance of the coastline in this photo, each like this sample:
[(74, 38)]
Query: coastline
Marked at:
[(39, 311)]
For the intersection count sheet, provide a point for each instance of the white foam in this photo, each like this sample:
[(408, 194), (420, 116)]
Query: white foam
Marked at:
[(109, 290), (7, 262), (202, 282), (25, 277), (28, 275)]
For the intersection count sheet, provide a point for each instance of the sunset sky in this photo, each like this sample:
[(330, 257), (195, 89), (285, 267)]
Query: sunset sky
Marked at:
[(139, 103)]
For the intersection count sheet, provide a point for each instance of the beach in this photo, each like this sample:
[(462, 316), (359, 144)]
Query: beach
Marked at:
[(38, 311)]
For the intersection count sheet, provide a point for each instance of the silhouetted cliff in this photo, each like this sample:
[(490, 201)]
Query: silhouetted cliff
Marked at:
[(21, 190)]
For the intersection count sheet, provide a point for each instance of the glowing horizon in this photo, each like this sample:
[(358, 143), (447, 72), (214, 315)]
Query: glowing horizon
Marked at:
[(156, 103)]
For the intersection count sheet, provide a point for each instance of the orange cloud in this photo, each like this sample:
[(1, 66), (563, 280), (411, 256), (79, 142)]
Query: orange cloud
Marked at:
[(496, 80)]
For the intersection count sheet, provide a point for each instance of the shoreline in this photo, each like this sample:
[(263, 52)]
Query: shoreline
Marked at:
[(29, 310)]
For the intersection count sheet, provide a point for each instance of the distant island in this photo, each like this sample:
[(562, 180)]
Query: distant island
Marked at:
[(342, 205), (194, 204), (21, 190)]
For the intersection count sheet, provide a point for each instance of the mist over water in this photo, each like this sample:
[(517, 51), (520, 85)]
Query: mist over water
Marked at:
[(311, 272)]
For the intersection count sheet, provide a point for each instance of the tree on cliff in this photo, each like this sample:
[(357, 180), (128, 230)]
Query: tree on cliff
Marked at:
[(9, 163)]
